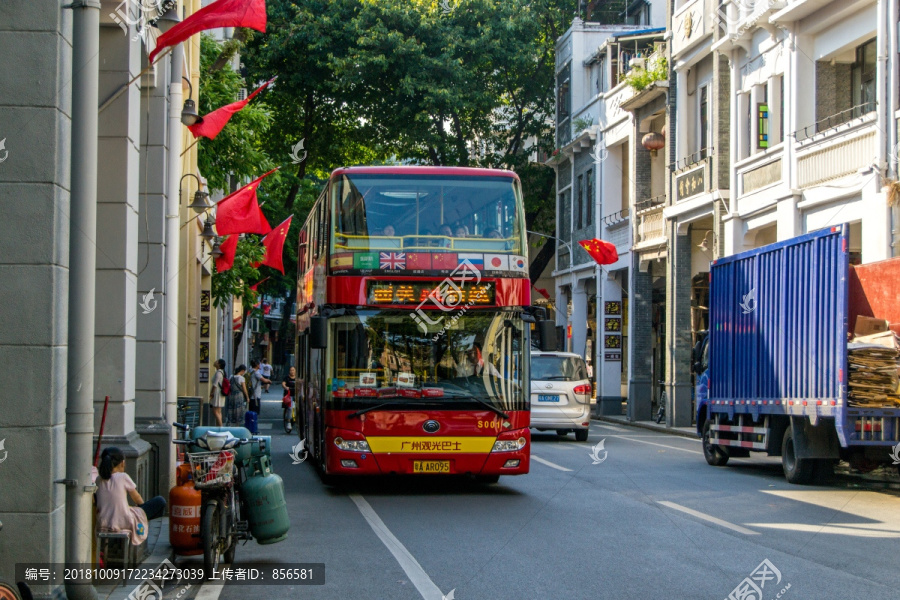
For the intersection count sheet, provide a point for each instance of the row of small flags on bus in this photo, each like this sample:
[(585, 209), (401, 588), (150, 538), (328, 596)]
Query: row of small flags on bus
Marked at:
[(427, 261)]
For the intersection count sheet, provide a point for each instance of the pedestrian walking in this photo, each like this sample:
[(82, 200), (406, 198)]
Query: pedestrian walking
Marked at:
[(256, 382), (217, 394), (238, 397), (266, 369)]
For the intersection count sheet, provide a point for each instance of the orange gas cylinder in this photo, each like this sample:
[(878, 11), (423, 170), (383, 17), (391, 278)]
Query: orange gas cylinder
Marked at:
[(184, 514)]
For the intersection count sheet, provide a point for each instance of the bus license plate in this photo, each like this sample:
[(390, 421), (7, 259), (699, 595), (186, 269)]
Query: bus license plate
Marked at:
[(547, 398), (431, 466)]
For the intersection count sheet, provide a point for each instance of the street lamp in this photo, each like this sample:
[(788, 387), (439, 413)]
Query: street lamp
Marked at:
[(216, 251), (199, 204), (167, 20), (208, 233), (189, 114)]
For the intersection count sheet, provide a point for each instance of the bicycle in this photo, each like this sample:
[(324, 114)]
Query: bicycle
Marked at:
[(661, 410), (218, 474)]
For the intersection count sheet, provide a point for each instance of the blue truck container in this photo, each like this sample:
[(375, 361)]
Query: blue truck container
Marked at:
[(772, 371)]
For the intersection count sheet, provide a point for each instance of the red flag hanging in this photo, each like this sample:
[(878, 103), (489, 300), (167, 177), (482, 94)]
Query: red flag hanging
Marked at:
[(274, 244), (240, 212), (228, 248), (223, 13), (215, 121), (257, 284), (603, 252)]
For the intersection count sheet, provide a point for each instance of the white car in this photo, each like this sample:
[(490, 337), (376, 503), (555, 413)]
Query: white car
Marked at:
[(560, 394)]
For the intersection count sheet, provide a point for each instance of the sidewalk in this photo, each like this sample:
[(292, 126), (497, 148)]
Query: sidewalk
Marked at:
[(689, 432), (158, 550)]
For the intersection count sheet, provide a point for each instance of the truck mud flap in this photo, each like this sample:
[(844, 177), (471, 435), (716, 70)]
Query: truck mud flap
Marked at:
[(819, 441)]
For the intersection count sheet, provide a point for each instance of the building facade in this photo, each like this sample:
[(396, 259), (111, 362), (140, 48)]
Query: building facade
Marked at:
[(152, 334)]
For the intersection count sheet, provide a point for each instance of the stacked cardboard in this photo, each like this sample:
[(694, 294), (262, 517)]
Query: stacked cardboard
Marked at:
[(874, 362)]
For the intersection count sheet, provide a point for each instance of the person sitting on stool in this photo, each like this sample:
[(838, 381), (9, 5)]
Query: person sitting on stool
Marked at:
[(114, 487)]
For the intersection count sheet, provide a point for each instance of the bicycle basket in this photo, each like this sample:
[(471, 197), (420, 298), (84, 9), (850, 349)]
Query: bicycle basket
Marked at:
[(211, 469)]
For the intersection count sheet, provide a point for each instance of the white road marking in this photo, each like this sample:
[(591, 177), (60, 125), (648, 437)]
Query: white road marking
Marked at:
[(563, 445), (622, 437), (408, 563), (209, 590), (709, 518), (613, 427), (549, 464)]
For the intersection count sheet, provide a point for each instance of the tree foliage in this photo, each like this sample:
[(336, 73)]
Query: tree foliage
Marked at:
[(238, 150)]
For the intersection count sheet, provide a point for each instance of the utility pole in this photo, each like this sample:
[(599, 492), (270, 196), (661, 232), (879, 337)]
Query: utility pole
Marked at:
[(82, 286)]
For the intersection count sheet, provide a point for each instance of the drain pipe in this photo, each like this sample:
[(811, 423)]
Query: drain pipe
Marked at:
[(82, 290), (173, 219), (893, 105)]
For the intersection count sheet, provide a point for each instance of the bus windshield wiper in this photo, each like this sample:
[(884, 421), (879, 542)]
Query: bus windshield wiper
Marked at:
[(363, 411), (490, 406)]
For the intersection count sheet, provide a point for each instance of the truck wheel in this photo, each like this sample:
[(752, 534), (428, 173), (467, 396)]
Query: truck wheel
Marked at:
[(796, 470), (713, 454)]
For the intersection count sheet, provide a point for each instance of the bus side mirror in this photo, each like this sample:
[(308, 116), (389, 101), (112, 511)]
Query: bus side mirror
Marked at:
[(547, 330), (318, 332)]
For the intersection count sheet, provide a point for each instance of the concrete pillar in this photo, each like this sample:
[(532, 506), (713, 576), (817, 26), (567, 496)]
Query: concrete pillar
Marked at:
[(790, 221), (579, 318), (678, 330), (734, 235), (150, 350), (117, 252), (640, 340), (36, 45)]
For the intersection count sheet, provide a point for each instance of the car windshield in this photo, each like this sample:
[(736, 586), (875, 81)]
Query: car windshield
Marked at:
[(380, 356), (558, 368)]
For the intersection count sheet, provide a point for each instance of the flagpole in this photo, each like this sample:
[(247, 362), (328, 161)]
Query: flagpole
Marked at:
[(124, 87)]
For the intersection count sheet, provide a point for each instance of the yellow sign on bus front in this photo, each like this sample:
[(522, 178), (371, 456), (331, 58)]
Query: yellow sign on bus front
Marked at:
[(430, 445)]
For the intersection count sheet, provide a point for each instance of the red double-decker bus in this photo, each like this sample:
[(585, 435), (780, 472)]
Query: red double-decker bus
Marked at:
[(413, 323)]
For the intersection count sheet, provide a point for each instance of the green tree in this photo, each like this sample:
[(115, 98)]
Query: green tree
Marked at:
[(239, 149)]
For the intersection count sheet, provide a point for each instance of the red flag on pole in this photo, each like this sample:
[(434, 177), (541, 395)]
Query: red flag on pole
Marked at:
[(228, 248), (215, 121), (223, 13), (240, 212), (274, 244), (603, 252), (256, 285)]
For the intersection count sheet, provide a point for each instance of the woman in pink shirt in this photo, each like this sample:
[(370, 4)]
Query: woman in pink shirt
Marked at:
[(114, 487)]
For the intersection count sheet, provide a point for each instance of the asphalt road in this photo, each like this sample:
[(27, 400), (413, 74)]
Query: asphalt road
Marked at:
[(651, 520)]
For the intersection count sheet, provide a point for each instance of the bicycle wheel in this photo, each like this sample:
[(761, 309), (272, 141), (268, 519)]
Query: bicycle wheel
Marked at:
[(209, 531)]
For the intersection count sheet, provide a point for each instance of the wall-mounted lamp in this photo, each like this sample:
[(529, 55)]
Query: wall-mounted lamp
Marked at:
[(704, 245), (208, 233), (199, 204), (167, 20), (189, 114)]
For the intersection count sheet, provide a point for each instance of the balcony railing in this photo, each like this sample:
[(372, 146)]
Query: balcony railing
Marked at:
[(649, 203), (836, 154), (834, 121), (651, 226)]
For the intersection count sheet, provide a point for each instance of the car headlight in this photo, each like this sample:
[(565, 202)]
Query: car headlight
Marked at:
[(352, 445), (509, 445)]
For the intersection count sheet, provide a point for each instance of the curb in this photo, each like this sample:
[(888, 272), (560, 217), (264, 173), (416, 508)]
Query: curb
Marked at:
[(649, 426), (162, 550)]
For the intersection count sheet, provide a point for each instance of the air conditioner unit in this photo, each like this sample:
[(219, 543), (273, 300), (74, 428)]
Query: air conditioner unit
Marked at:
[(254, 325)]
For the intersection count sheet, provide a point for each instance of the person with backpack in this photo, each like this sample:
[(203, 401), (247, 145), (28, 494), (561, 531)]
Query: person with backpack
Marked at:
[(237, 396), (257, 379), (266, 369), (221, 386)]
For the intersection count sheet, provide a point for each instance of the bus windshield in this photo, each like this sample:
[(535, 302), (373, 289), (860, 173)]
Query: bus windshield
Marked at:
[(380, 356), (424, 215)]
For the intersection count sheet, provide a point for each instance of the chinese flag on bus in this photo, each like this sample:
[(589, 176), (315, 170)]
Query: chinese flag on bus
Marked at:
[(228, 248), (274, 245), (223, 13), (240, 212), (215, 121), (603, 252)]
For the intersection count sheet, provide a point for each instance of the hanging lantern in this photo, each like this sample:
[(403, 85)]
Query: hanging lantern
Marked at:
[(208, 233), (653, 142)]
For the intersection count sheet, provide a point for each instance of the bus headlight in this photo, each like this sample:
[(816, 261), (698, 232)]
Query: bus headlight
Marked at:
[(352, 445), (509, 445)]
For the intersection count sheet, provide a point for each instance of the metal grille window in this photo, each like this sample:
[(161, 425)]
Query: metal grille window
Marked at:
[(579, 203), (590, 197)]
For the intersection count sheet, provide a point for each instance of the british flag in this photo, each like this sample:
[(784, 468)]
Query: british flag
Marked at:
[(392, 261)]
